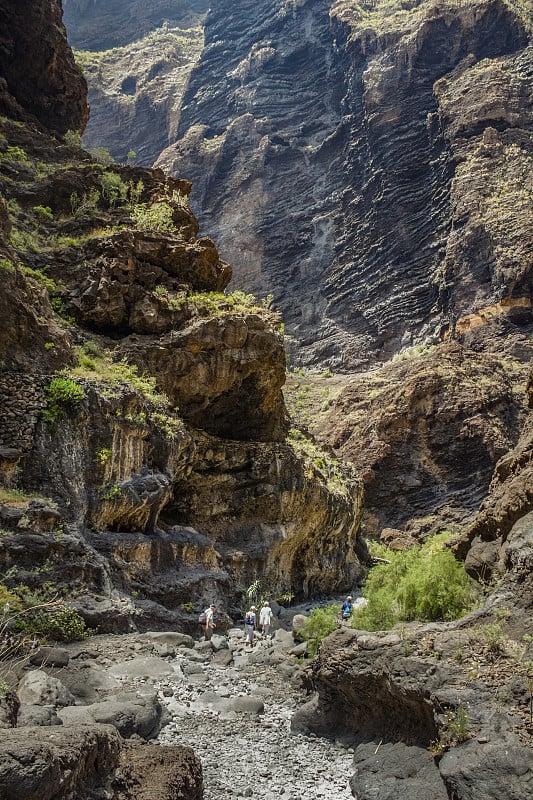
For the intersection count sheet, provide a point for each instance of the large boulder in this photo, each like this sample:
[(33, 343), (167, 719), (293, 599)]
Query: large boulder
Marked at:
[(56, 763)]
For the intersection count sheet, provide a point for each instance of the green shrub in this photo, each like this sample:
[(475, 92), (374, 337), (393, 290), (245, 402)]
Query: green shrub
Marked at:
[(49, 284), (425, 583), (60, 624), (102, 156), (43, 211), (113, 188), (63, 395), (157, 217), (320, 623), (72, 139)]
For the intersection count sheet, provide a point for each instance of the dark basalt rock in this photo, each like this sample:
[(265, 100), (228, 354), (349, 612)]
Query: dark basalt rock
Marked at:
[(394, 120), (37, 68)]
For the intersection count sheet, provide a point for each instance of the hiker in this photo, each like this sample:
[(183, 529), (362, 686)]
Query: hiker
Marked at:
[(265, 618), (209, 620), (347, 608), (249, 625)]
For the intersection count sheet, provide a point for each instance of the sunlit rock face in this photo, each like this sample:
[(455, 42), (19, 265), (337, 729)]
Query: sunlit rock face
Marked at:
[(137, 57), (365, 154)]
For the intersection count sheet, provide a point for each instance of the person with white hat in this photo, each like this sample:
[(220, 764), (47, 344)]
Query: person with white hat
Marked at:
[(265, 618), (249, 625)]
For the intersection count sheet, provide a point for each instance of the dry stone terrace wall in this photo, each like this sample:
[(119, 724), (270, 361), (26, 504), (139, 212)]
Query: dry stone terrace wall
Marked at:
[(22, 400)]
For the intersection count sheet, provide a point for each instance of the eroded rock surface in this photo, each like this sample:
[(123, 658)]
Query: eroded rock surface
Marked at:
[(38, 75), (409, 139)]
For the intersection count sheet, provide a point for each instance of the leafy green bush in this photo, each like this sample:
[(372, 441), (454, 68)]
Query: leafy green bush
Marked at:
[(320, 623), (43, 211), (425, 583), (157, 217), (60, 624), (63, 395), (113, 188)]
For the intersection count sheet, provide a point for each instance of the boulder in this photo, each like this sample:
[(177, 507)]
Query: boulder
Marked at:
[(37, 715), (39, 689), (53, 763), (501, 770), (50, 656), (218, 642), (130, 713), (152, 772)]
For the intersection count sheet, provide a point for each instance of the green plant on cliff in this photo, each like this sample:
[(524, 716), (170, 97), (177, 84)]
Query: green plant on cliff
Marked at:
[(114, 189), (63, 396), (318, 460), (99, 365), (102, 456), (425, 582), (155, 217)]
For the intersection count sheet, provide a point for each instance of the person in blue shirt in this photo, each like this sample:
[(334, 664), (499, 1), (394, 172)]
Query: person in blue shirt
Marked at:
[(347, 608), (249, 625)]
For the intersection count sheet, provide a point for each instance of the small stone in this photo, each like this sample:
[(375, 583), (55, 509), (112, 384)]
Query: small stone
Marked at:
[(248, 792)]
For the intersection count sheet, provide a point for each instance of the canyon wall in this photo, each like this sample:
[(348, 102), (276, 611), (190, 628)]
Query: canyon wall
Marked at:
[(358, 139), (137, 58)]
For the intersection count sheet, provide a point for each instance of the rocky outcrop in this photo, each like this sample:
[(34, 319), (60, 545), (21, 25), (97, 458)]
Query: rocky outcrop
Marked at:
[(425, 434), (137, 60), (38, 76), (396, 697), (501, 536), (145, 401), (56, 764)]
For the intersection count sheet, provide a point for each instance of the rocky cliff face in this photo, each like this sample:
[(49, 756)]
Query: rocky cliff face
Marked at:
[(137, 58), (460, 690), (161, 444), (39, 76), (425, 433), (391, 123)]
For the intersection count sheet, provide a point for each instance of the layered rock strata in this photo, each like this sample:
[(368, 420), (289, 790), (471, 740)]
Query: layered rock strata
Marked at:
[(426, 432), (144, 400), (408, 134)]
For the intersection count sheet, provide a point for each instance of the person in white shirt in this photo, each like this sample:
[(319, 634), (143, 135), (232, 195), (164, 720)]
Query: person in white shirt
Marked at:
[(210, 621), (265, 618)]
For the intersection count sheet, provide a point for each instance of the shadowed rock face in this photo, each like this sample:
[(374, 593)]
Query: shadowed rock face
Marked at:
[(137, 61), (425, 433), (38, 75)]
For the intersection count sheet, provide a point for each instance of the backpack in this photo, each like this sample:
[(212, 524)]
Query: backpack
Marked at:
[(202, 619), (249, 619)]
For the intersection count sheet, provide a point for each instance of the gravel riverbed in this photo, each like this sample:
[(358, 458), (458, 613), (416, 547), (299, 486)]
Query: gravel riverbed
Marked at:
[(251, 752)]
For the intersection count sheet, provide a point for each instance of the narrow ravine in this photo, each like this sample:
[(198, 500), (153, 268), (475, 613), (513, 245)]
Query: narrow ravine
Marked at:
[(252, 753)]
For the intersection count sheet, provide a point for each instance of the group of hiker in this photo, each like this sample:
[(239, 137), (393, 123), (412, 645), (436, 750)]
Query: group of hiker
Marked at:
[(251, 623), (266, 616)]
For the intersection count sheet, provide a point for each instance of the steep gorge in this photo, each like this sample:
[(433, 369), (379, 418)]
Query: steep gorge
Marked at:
[(376, 116), (167, 471)]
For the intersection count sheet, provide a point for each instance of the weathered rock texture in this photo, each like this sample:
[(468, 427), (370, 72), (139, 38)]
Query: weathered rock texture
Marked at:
[(426, 432), (137, 58), (376, 158), (168, 473), (84, 761), (501, 536), (393, 699), (38, 75)]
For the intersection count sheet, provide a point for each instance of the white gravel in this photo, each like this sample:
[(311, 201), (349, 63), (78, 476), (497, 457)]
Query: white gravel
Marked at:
[(245, 755)]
